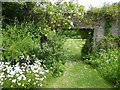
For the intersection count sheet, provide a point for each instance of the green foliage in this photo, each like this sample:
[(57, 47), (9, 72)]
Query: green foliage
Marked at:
[(108, 12), (25, 39), (20, 10), (105, 59)]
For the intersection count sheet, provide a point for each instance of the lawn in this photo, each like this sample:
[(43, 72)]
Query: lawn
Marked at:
[(77, 74), (73, 48)]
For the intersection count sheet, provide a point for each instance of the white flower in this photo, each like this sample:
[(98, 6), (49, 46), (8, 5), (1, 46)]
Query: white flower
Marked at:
[(1, 79), (17, 75), (50, 12), (71, 23), (29, 80), (7, 63), (79, 14), (2, 75), (69, 17), (12, 72), (9, 75), (20, 77), (28, 58), (35, 71), (44, 76), (22, 84), (19, 84), (41, 72), (41, 85), (34, 83), (37, 78), (41, 79), (14, 80), (47, 71), (33, 55), (1, 83), (17, 69), (21, 72), (36, 75), (24, 78)]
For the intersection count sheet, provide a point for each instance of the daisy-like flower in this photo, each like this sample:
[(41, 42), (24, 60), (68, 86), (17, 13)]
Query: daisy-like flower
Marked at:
[(41, 72), (41, 85), (36, 75), (14, 80), (47, 71), (41, 79), (19, 84), (29, 80)]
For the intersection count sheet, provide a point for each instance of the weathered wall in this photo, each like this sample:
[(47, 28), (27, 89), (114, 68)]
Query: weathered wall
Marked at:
[(115, 31), (98, 26)]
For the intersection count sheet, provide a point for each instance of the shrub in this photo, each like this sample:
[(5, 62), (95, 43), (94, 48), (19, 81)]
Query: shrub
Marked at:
[(105, 59), (24, 39)]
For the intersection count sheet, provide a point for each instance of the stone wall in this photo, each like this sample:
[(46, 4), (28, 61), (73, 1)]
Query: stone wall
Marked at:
[(98, 27), (115, 31)]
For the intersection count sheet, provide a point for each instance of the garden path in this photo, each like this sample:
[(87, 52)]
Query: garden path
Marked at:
[(77, 74)]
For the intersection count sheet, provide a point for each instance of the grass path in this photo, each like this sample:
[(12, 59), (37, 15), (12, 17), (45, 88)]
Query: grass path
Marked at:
[(77, 74), (73, 47)]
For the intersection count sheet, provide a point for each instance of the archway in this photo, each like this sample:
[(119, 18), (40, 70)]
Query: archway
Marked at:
[(79, 42)]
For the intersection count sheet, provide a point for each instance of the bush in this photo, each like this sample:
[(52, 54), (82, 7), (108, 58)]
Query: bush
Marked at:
[(24, 39), (105, 59)]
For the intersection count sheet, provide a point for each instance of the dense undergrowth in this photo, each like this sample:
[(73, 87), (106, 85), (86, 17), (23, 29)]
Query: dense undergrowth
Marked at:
[(24, 61), (105, 59)]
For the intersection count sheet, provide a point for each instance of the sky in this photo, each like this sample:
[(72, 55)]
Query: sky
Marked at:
[(93, 3)]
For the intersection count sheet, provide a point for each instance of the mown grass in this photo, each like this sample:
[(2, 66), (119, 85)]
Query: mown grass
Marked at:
[(77, 74), (73, 48)]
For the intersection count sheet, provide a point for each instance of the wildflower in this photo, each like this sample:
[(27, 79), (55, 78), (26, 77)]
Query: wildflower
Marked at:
[(69, 27), (20, 77), (50, 12), (22, 84), (69, 17), (14, 80), (36, 75), (7, 63), (1, 79), (44, 76), (41, 72), (71, 23), (37, 78), (2, 75), (41, 85), (33, 55), (34, 83), (17, 75), (19, 84), (12, 72), (47, 71), (29, 80), (41, 79)]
